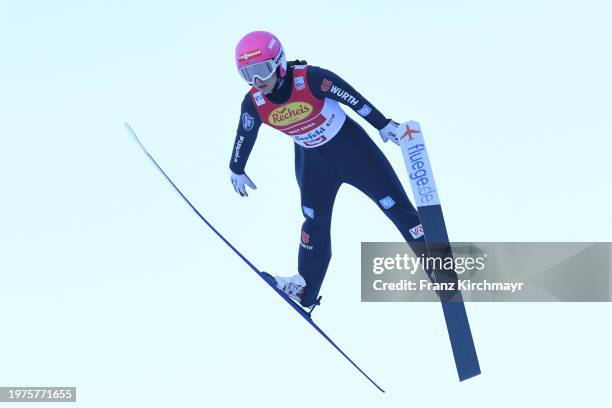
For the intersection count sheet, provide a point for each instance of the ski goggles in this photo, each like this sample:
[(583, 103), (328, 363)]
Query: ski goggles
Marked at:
[(262, 70)]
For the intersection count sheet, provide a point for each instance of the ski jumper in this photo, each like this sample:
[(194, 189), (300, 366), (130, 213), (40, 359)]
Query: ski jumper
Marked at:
[(330, 149)]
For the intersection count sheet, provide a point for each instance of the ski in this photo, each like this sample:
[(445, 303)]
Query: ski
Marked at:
[(306, 314), (432, 221)]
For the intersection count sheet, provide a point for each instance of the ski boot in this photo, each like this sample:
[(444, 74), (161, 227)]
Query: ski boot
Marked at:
[(294, 286)]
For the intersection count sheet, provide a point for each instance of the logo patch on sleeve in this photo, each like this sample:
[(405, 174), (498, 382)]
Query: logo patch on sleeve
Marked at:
[(325, 85), (247, 121), (365, 110)]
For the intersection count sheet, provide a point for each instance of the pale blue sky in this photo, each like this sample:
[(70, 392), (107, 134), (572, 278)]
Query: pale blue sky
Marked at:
[(109, 282)]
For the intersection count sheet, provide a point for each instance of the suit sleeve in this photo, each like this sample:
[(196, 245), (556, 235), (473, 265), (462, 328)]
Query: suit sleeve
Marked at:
[(246, 135), (325, 84)]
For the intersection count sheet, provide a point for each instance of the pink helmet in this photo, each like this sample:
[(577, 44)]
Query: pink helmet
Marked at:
[(258, 54)]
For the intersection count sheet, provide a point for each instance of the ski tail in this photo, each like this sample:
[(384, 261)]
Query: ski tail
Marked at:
[(432, 219), (462, 343), (305, 314)]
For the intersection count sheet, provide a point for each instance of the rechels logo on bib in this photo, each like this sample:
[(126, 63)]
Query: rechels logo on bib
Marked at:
[(290, 113)]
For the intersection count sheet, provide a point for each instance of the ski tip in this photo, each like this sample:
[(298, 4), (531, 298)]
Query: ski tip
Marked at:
[(133, 134)]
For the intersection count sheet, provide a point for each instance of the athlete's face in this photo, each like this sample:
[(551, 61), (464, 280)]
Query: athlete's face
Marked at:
[(265, 86)]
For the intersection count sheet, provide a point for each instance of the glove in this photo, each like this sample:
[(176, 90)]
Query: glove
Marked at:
[(239, 181), (389, 132)]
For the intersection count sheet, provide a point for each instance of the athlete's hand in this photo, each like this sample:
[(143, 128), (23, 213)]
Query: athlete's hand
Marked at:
[(240, 181), (389, 132)]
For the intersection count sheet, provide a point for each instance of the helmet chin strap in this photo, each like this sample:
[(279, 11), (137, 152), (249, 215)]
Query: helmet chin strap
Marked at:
[(279, 82)]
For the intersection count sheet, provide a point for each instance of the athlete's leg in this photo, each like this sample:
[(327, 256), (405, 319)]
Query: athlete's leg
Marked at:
[(362, 164), (318, 184), (368, 169)]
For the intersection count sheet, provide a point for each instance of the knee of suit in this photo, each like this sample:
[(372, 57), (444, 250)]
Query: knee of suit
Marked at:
[(400, 209), (315, 219), (404, 218)]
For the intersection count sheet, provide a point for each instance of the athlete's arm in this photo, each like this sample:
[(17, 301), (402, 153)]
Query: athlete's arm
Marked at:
[(248, 126), (325, 84)]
